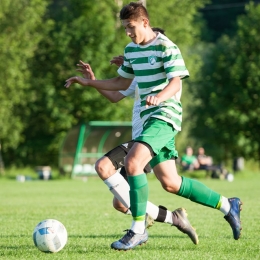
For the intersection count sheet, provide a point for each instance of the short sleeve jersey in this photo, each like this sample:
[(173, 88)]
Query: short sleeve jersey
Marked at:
[(153, 65)]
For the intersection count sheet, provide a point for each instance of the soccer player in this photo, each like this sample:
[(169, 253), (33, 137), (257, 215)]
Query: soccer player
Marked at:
[(107, 166), (157, 64)]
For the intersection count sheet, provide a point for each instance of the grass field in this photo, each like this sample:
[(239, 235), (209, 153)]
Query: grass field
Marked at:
[(84, 207)]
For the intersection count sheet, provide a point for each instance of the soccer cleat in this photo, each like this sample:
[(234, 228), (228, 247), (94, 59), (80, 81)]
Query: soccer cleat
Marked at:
[(130, 240), (180, 220), (233, 216), (149, 221)]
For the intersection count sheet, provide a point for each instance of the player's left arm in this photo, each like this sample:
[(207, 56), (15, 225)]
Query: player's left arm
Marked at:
[(170, 90)]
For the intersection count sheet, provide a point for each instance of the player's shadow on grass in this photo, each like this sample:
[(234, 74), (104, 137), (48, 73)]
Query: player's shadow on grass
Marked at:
[(173, 237), (118, 236)]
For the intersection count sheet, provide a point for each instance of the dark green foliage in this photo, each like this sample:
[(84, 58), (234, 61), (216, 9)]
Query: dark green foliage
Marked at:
[(221, 17), (43, 40), (63, 33), (78, 32), (227, 109), (21, 30)]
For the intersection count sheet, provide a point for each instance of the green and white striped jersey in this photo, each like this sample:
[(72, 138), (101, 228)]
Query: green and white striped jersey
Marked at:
[(153, 65)]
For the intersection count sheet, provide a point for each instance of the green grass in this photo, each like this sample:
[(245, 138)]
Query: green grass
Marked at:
[(85, 209)]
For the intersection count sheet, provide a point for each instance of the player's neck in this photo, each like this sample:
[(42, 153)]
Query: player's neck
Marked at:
[(149, 38)]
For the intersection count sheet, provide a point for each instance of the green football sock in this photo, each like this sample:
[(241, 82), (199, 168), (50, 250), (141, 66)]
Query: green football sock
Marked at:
[(138, 195), (199, 193)]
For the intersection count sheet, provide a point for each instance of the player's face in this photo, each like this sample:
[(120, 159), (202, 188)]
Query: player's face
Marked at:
[(136, 30)]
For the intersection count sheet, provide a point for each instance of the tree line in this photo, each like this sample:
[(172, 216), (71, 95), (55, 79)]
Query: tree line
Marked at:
[(43, 40)]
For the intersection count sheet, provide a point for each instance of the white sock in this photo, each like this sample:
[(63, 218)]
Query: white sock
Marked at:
[(119, 187), (138, 226), (152, 210), (225, 205), (168, 218)]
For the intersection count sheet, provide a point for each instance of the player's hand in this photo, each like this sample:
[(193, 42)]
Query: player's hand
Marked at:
[(118, 60), (86, 70), (152, 101), (79, 80)]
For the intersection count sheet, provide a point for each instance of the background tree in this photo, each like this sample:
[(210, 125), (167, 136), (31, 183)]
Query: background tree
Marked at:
[(228, 92), (220, 18), (79, 32), (20, 26), (42, 41)]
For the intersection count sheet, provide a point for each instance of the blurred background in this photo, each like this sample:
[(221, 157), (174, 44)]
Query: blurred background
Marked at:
[(41, 41)]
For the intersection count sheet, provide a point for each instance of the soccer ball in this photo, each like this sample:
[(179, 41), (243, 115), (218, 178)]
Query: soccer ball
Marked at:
[(50, 236)]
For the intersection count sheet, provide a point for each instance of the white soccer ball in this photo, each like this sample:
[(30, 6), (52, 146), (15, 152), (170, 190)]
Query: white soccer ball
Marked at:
[(50, 236)]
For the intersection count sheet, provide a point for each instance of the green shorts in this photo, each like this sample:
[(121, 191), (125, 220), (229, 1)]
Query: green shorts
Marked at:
[(160, 136)]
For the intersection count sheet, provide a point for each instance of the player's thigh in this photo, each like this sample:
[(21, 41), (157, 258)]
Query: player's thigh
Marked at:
[(118, 154), (137, 158)]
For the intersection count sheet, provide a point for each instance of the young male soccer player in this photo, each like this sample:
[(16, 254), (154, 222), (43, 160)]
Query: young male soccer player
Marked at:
[(158, 67), (108, 165)]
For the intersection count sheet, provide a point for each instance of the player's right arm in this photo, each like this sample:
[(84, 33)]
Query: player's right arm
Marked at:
[(118, 83), (87, 72)]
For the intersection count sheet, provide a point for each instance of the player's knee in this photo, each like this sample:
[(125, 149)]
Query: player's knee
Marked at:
[(170, 188), (99, 166), (131, 164), (104, 168)]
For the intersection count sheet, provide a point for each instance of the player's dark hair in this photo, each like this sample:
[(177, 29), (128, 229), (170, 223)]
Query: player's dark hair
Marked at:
[(133, 11), (160, 30)]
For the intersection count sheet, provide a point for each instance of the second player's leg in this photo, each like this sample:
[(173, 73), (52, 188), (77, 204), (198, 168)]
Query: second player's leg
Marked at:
[(105, 168), (107, 165), (119, 206)]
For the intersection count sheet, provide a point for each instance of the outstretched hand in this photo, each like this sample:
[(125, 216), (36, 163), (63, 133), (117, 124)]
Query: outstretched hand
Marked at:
[(118, 60), (87, 73), (86, 70), (79, 80)]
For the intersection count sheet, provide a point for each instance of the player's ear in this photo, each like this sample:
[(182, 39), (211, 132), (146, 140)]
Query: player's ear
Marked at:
[(145, 22)]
